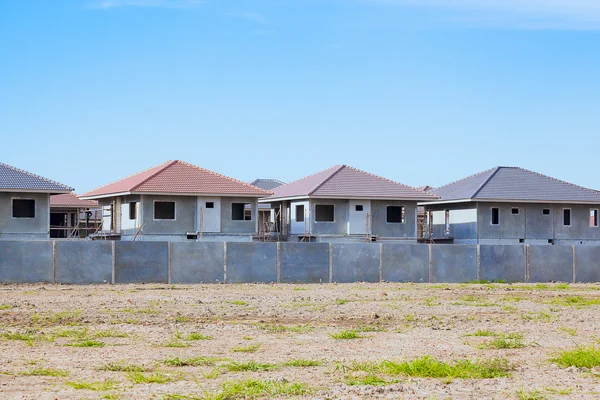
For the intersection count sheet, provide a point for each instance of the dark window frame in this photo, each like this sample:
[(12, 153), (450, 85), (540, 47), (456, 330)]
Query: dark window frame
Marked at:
[(165, 202), (209, 204), (594, 213), (132, 210), (513, 209), (318, 214), (299, 216), (567, 216), (359, 208), (544, 211), (495, 219), (395, 220), (238, 212), (30, 215)]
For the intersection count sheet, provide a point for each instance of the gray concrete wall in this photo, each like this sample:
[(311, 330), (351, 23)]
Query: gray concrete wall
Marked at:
[(26, 262), (251, 262), (510, 227), (405, 263), (505, 263), (37, 228), (230, 226), (340, 224), (197, 262), (550, 263), (355, 262), (83, 262), (382, 228), (587, 264), (141, 262), (453, 263), (580, 223), (185, 216), (304, 262)]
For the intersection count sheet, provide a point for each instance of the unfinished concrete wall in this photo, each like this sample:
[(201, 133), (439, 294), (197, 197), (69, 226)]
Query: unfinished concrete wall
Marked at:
[(197, 262), (228, 225), (37, 228), (355, 262), (137, 262), (511, 226), (26, 261), (405, 263), (580, 229), (539, 226), (550, 263), (587, 264), (304, 262), (453, 263), (251, 262), (340, 224), (83, 262), (380, 227), (502, 263)]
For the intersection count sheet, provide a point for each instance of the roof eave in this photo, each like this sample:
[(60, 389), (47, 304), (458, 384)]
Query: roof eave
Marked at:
[(16, 190), (530, 201), (108, 195), (387, 198)]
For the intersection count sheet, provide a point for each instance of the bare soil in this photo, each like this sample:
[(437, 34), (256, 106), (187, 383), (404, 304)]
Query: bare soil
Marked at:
[(396, 321)]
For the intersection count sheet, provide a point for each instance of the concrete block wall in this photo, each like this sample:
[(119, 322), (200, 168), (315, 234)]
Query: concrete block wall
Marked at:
[(96, 262)]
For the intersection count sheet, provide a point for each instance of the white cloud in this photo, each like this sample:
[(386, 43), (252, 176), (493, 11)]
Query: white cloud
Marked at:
[(529, 14), (105, 4)]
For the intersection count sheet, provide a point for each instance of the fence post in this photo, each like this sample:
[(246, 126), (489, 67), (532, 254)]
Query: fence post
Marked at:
[(380, 262), (114, 252), (527, 263), (54, 261), (169, 272), (278, 262), (478, 262), (574, 265), (224, 262), (330, 262), (430, 262)]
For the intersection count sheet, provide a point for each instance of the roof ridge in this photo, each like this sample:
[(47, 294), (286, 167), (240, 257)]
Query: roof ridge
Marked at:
[(465, 178), (167, 165), (324, 181), (388, 180), (557, 180), (126, 177), (222, 176), (485, 182), (35, 175), (308, 176)]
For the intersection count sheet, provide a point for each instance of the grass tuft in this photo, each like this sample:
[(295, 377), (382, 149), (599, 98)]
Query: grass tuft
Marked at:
[(249, 366), (191, 362), (580, 357), (46, 372), (198, 336), (246, 349), (156, 377), (108, 384), (303, 363), (122, 367), (286, 328), (87, 343), (346, 335)]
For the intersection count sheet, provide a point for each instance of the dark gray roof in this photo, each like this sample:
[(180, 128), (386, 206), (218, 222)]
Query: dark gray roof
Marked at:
[(12, 178), (267, 184), (513, 183)]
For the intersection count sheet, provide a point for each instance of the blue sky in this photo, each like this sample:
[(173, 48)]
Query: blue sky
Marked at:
[(422, 92)]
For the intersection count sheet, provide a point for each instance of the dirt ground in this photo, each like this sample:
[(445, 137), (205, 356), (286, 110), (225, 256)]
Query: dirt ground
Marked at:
[(196, 341)]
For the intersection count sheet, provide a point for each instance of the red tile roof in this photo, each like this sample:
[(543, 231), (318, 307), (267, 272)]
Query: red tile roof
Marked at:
[(71, 200), (347, 182), (178, 177)]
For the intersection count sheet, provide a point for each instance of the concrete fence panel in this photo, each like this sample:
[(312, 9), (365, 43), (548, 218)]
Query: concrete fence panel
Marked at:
[(587, 264), (251, 262), (304, 262), (137, 262), (453, 263), (405, 263), (502, 262), (197, 262), (26, 262), (355, 262), (550, 263), (83, 262)]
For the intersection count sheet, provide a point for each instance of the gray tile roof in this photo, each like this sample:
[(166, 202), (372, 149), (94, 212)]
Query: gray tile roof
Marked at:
[(514, 183), (267, 184), (342, 181), (12, 178)]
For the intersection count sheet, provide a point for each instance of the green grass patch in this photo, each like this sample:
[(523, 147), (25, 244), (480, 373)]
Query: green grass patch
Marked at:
[(156, 377), (108, 384), (341, 302), (522, 394), (346, 335), (286, 328), (122, 367), (510, 341), (573, 301), (176, 343), (191, 362), (69, 317), (246, 349), (250, 366), (46, 372), (368, 380), (197, 336), (109, 333), (303, 363), (27, 337), (6, 306), (238, 302), (541, 316), (580, 357), (87, 343), (570, 331), (78, 333), (483, 333), (252, 389)]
